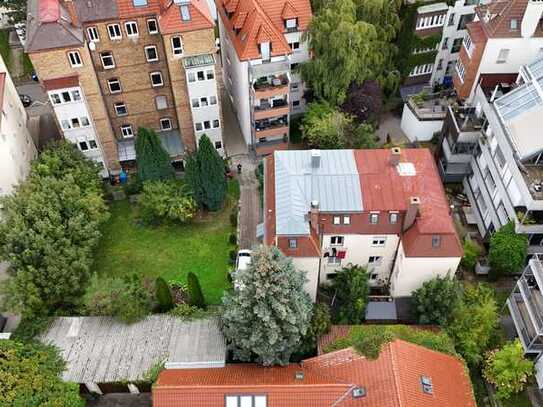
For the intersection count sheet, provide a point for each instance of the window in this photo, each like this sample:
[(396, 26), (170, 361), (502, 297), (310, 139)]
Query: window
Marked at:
[(55, 98), (207, 124), (336, 240), (203, 101), (426, 384), (468, 44), (436, 241), (75, 123), (92, 34), (457, 44), (295, 103), (93, 145), (451, 19), (373, 276), (85, 121), (445, 44), (378, 241), (177, 46), (195, 102), (291, 24), (374, 218), (375, 260), (152, 26), (460, 69), (192, 77), (66, 97), (65, 124), (464, 20), (200, 75), (75, 59), (346, 220), (502, 56), (292, 243), (216, 124), (336, 220), (83, 146), (334, 260), (210, 74), (76, 95), (156, 79), (424, 23), (246, 401), (126, 131), (131, 28), (114, 85), (165, 124), (218, 145), (151, 53), (139, 3), (265, 50), (294, 45), (120, 109), (185, 12), (393, 217), (161, 102), (114, 31), (422, 70), (198, 126), (107, 60), (212, 100), (513, 25)]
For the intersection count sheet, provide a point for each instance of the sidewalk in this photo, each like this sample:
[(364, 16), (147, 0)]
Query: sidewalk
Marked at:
[(249, 201)]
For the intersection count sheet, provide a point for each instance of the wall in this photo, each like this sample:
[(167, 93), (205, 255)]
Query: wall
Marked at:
[(418, 130), (297, 86), (311, 266)]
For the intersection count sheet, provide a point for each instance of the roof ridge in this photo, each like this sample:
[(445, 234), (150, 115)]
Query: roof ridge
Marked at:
[(395, 372)]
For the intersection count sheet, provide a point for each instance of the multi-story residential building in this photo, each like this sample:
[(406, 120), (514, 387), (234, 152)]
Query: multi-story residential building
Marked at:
[(504, 36), (494, 142), (261, 46), (382, 209), (111, 67), (17, 148)]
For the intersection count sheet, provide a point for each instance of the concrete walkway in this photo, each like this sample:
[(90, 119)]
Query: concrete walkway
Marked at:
[(249, 202), (390, 125), (234, 143)]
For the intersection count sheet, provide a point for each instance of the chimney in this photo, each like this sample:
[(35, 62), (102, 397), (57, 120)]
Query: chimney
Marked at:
[(314, 215), (412, 212), (395, 153), (69, 4), (315, 158)]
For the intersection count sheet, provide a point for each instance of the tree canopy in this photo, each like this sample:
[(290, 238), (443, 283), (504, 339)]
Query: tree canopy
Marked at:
[(153, 160), (434, 302), (268, 314), (508, 250), (205, 175), (351, 292), (352, 41), (50, 228), (30, 377), (18, 10)]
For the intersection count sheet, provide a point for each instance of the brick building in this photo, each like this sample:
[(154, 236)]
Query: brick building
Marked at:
[(110, 67)]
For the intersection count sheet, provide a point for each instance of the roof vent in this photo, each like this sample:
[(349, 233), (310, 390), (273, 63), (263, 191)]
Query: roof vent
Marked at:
[(359, 392), (314, 204), (299, 375), (315, 158), (395, 154), (426, 383)]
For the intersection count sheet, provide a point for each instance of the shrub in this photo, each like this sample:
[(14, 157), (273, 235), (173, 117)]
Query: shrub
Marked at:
[(434, 302), (472, 251), (233, 239), (153, 160), (133, 187), (233, 254), (351, 290), (166, 200), (195, 291), (320, 324), (189, 312), (508, 250), (234, 218), (163, 295)]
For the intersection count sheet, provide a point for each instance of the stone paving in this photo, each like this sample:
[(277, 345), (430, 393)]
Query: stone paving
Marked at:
[(249, 202)]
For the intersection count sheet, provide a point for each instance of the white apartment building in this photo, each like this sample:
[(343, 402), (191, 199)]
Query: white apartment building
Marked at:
[(261, 46), (17, 148)]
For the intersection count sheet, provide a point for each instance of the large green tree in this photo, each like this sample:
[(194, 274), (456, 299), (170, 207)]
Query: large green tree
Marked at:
[(268, 313), (18, 10), (205, 175), (30, 377), (508, 250), (508, 369), (352, 42), (49, 230), (473, 322), (434, 302), (154, 163), (351, 292)]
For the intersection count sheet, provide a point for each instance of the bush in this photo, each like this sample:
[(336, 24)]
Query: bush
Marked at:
[(166, 200), (233, 239), (163, 295), (234, 218), (351, 290), (508, 250), (434, 302), (195, 291), (321, 322), (472, 251), (189, 312), (233, 255), (133, 187)]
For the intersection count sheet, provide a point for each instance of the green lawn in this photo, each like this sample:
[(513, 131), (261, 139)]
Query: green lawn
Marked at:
[(169, 251), (4, 47)]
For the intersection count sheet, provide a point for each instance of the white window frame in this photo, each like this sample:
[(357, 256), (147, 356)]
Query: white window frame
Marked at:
[(185, 12), (503, 55), (151, 47), (177, 50), (74, 57), (346, 220), (114, 32), (107, 54), (120, 105), (55, 98), (216, 124), (131, 28), (155, 22), (374, 216), (157, 102), (395, 216), (164, 120), (198, 124), (291, 23), (337, 240), (292, 243), (114, 80), (265, 50), (460, 69), (153, 74), (378, 241), (92, 34), (126, 131)]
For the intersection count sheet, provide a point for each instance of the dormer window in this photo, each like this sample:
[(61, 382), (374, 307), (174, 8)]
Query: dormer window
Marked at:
[(265, 50), (291, 24), (185, 12), (436, 241)]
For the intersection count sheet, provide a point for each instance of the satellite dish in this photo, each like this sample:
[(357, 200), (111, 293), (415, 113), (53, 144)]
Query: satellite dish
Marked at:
[(92, 46)]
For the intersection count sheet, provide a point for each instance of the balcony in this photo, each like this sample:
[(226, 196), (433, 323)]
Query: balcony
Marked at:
[(267, 109), (533, 176), (430, 106), (271, 128), (268, 86), (466, 119)]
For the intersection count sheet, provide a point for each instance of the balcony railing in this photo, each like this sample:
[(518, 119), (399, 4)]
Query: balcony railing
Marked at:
[(522, 324), (270, 82)]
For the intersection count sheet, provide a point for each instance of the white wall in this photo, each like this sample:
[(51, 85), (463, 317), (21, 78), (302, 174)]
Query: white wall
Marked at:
[(311, 266), (297, 86), (411, 272), (17, 148), (418, 130), (539, 372)]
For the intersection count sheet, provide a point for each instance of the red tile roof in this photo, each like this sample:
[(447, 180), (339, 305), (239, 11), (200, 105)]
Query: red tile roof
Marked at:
[(127, 9), (200, 18), (261, 20), (501, 13), (393, 380), (61, 83), (49, 11)]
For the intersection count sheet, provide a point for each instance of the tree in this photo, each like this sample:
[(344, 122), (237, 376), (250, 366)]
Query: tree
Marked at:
[(473, 322), (434, 302), (269, 312), (49, 231), (166, 200), (472, 252), (364, 101), (205, 175), (508, 369), (352, 42), (18, 10), (321, 321), (195, 291), (508, 250), (163, 295), (351, 293), (325, 127), (153, 160), (30, 376)]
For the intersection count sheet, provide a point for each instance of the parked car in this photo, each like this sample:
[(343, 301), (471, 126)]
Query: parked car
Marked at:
[(26, 100), (244, 260)]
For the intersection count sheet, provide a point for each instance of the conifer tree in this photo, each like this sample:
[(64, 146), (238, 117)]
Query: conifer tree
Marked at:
[(195, 291), (152, 159)]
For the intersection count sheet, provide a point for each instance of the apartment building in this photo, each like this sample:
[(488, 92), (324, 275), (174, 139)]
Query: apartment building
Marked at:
[(382, 209), (261, 46), (503, 36), (497, 136), (111, 67), (17, 148)]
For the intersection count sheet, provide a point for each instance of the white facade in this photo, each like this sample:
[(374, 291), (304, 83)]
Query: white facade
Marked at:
[(75, 122), (17, 148), (204, 103), (410, 273), (309, 265), (417, 129)]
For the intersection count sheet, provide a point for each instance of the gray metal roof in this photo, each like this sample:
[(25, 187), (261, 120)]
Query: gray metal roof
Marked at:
[(198, 60), (103, 350), (334, 184), (59, 34), (96, 10)]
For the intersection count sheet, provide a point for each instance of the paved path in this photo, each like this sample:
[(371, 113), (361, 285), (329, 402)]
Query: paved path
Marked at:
[(390, 125), (249, 202), (234, 143)]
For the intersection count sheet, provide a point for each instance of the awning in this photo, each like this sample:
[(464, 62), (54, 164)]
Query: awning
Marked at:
[(198, 60)]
